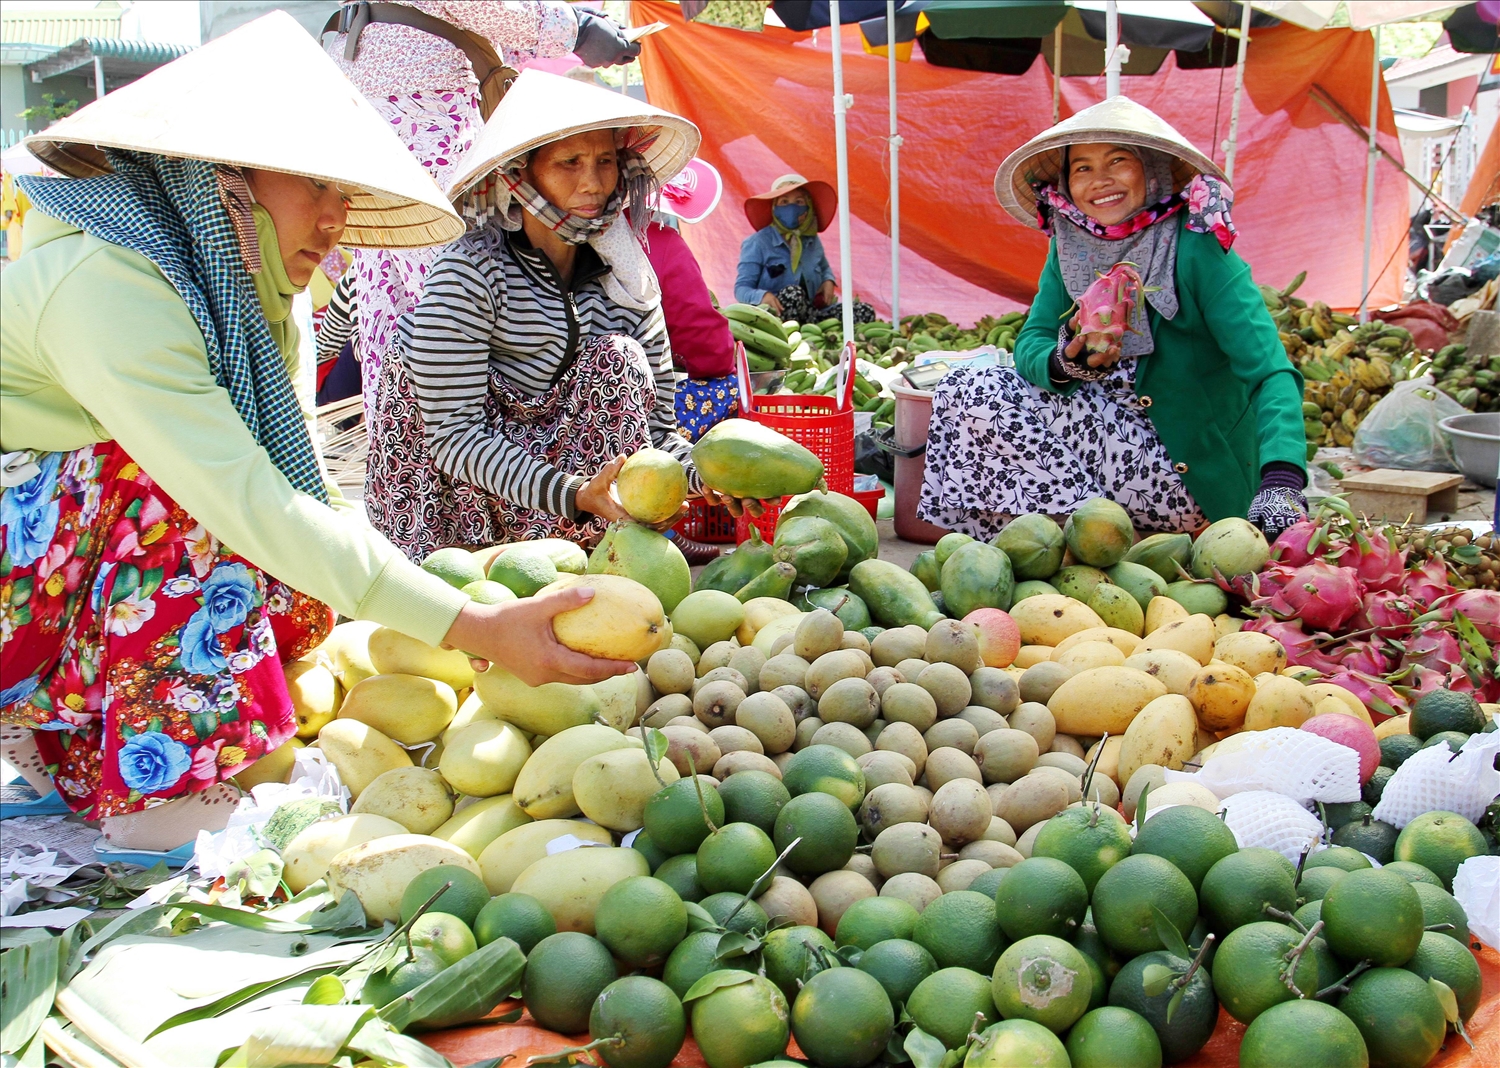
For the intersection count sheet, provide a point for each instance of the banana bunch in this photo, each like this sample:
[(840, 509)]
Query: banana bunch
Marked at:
[(770, 344), (1332, 411), (1472, 379)]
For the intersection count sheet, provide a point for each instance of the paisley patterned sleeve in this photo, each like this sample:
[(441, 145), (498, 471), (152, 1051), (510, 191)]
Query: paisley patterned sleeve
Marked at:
[(520, 30)]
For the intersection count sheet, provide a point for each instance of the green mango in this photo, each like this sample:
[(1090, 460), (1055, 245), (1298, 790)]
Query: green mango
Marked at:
[(1030, 588), (947, 545), (745, 459), (1162, 553), (1198, 597), (851, 518), (1099, 533), (774, 581), (652, 559), (1140, 581), (896, 598), (1118, 608), (811, 545), (977, 576), (1034, 544), (730, 572), (925, 567), (851, 610), (1078, 581)]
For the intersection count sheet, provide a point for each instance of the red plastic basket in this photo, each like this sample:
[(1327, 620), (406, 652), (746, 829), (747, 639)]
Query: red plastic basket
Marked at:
[(712, 523), (815, 423)]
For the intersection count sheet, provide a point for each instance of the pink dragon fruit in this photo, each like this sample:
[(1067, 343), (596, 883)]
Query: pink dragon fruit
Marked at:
[(1291, 547), (1427, 583), (1259, 587), (1322, 596), (1390, 612), (1302, 650), (1479, 607), (1379, 566), (1379, 696), (1364, 656), (1433, 647), (1104, 309)]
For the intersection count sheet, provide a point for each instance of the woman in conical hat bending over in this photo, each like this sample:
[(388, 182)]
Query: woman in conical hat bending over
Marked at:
[(538, 357), (1192, 415), (170, 539)]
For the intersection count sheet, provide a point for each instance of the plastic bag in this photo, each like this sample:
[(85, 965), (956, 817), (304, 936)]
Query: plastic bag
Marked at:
[(1402, 429)]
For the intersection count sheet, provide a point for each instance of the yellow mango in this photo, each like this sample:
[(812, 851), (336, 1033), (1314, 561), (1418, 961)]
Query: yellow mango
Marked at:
[(475, 826), (315, 695), (571, 884), (394, 653), (1278, 702), (1221, 693), (360, 753), (518, 848), (1193, 635), (1253, 652), (411, 709), (1102, 699), (1165, 733), (1163, 610), (1048, 618)]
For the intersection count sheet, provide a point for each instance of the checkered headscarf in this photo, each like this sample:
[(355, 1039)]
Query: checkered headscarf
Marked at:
[(172, 211)]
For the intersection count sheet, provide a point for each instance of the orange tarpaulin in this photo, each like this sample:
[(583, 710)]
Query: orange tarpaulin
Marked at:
[(764, 104), (1485, 185)]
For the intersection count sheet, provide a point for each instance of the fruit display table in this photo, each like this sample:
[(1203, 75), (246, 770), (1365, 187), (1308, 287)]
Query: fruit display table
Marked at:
[(524, 1039)]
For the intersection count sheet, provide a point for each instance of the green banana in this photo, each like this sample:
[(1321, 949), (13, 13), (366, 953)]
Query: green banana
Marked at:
[(756, 316), (759, 339)]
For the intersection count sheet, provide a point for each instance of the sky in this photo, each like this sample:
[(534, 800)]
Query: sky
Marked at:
[(164, 21)]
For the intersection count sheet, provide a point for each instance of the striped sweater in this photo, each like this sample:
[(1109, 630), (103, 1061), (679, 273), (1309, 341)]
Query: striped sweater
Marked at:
[(492, 301)]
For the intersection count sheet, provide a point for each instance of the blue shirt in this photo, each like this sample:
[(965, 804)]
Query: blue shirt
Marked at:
[(766, 266)]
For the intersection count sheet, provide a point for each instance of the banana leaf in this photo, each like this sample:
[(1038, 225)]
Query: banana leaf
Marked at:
[(300, 1034), (461, 992), (28, 982)]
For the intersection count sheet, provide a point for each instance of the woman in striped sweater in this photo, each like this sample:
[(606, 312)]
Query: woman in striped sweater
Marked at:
[(538, 356)]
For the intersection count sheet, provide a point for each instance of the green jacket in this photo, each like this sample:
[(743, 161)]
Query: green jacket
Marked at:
[(1221, 393)]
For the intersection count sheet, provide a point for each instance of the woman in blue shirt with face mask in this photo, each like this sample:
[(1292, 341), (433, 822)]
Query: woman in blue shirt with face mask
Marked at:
[(782, 264)]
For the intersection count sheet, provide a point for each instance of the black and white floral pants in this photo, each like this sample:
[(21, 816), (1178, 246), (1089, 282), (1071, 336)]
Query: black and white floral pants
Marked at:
[(998, 447), (795, 304)]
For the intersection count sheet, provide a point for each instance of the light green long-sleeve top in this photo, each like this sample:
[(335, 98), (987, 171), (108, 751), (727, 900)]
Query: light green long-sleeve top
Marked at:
[(96, 345)]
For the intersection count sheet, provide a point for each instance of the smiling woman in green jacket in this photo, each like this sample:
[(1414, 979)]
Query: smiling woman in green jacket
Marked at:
[(1192, 414), (170, 537)]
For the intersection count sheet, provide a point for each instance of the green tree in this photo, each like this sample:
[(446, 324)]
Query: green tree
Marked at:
[(49, 110)]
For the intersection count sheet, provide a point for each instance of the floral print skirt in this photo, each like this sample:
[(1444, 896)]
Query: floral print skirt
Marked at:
[(704, 403), (146, 656), (998, 446)]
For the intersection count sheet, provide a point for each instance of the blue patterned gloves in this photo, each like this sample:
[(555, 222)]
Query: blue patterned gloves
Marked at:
[(1279, 503), (601, 43)]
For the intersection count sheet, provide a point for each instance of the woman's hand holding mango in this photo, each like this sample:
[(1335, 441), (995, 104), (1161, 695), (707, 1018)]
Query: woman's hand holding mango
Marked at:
[(518, 636)]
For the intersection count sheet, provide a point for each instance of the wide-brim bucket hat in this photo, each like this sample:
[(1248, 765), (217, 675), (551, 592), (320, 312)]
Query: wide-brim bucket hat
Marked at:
[(693, 194), (825, 201), (266, 97), (1118, 121), (541, 108)]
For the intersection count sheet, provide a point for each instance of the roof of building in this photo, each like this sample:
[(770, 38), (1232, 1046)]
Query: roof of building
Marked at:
[(120, 58), (1438, 67), (20, 25)]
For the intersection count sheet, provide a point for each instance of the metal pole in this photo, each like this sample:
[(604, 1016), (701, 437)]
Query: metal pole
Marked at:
[(1239, 91), (895, 142), (1111, 50), (98, 78), (1057, 75), (841, 152), (1373, 153)]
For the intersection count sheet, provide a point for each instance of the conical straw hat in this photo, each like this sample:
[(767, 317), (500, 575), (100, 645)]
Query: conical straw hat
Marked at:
[(1119, 121), (264, 96), (541, 108)]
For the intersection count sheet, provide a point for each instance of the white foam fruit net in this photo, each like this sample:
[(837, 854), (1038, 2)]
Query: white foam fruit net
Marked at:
[(1477, 888), (1438, 778), (1300, 765), (1266, 820)]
